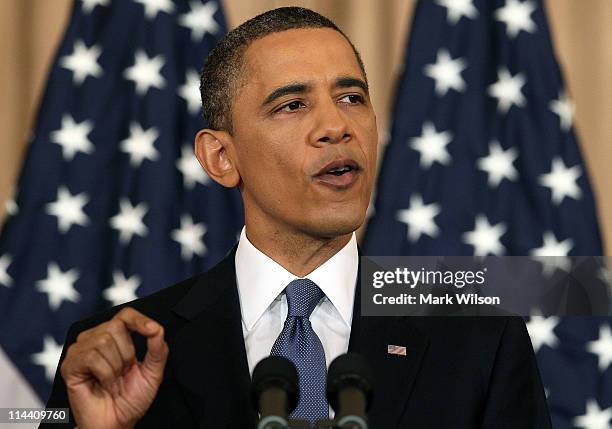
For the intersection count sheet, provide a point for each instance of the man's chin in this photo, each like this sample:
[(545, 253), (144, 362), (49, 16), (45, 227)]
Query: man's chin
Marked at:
[(332, 228)]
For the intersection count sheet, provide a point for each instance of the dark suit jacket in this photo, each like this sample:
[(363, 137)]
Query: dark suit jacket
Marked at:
[(459, 372)]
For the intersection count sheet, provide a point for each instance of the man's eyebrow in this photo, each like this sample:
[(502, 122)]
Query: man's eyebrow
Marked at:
[(349, 82), (302, 87), (292, 88)]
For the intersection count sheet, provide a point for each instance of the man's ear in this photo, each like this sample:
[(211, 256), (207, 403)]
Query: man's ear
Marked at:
[(214, 150)]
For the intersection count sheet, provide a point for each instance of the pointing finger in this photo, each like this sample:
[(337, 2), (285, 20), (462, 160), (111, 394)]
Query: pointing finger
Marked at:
[(124, 342), (138, 322)]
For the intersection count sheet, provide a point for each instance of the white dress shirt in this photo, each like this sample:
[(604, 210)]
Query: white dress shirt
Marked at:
[(261, 282)]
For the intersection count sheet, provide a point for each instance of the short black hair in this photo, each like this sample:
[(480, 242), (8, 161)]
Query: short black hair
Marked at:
[(222, 70)]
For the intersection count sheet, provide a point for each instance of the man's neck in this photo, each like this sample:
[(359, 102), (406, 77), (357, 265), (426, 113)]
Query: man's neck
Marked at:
[(298, 253)]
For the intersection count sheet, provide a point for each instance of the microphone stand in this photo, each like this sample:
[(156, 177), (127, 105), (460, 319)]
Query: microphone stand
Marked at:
[(345, 422)]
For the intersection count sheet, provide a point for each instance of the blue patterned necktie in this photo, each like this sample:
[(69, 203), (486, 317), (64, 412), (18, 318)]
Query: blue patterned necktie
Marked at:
[(299, 343)]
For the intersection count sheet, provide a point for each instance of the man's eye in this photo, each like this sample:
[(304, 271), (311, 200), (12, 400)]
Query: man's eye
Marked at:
[(291, 107), (352, 99)]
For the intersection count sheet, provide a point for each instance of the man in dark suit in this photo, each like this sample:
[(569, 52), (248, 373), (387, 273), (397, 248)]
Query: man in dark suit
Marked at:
[(292, 126)]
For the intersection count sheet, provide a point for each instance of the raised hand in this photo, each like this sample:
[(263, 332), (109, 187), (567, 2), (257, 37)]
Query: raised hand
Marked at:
[(107, 387)]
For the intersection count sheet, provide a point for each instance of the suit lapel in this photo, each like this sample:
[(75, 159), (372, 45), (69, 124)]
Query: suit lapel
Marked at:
[(394, 374), (209, 358)]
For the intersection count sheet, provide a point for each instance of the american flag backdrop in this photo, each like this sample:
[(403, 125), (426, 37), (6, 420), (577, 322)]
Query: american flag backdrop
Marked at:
[(111, 202), (483, 160)]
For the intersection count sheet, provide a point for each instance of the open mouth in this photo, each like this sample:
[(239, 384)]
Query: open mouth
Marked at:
[(340, 171), (339, 174), (339, 167)]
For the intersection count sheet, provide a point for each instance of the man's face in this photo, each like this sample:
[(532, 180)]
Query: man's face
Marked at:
[(304, 134)]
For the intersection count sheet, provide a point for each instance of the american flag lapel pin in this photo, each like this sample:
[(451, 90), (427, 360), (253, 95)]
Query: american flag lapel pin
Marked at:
[(392, 349)]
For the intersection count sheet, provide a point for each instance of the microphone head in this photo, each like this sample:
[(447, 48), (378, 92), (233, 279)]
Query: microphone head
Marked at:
[(349, 370), (277, 372)]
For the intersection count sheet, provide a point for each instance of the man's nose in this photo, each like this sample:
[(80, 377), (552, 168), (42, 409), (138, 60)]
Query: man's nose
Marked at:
[(332, 125)]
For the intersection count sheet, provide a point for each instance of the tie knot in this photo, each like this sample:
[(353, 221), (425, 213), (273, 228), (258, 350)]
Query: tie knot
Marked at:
[(303, 295)]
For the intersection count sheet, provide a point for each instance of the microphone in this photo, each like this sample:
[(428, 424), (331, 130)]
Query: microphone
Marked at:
[(275, 391), (350, 385)]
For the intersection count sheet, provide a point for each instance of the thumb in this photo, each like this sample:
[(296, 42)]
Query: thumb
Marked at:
[(157, 354)]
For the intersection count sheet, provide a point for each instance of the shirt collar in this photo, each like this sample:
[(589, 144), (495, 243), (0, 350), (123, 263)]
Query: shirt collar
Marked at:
[(260, 279)]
